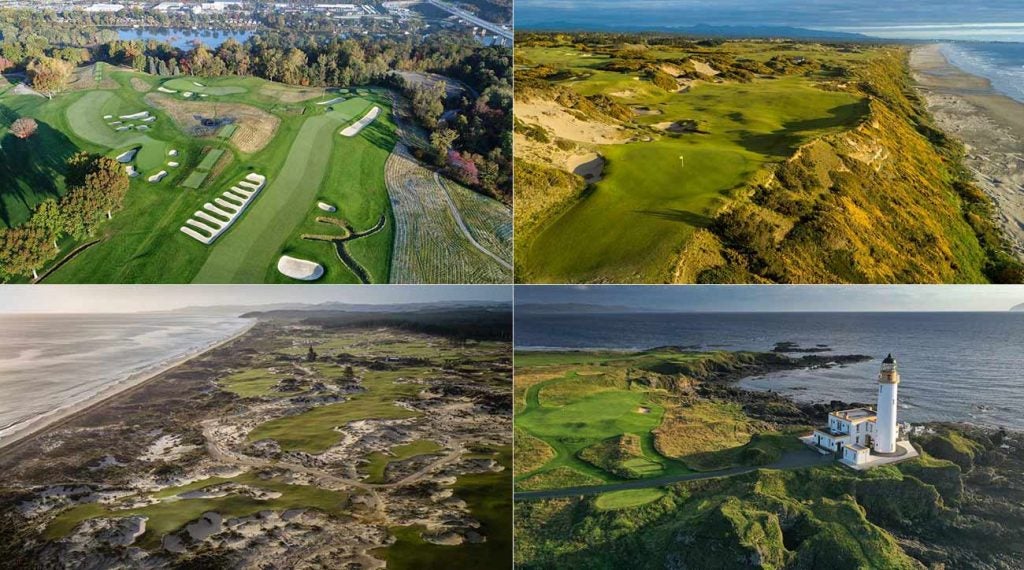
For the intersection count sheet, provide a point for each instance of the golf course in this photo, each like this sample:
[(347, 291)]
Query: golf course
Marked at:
[(233, 180), (584, 419), (680, 140)]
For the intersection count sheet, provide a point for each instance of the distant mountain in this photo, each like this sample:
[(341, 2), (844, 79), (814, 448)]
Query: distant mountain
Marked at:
[(575, 308), (250, 311), (705, 30)]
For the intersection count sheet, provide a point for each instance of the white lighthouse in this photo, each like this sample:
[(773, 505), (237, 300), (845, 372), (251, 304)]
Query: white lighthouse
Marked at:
[(885, 425)]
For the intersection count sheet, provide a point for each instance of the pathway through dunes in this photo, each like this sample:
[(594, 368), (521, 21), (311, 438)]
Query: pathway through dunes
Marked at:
[(435, 242)]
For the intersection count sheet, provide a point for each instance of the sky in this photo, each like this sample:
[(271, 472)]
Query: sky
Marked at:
[(773, 298), (137, 298), (910, 19)]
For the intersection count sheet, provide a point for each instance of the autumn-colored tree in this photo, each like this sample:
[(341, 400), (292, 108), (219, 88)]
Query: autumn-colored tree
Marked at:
[(24, 250), (97, 185), (48, 218), (49, 75), (5, 64), (24, 127)]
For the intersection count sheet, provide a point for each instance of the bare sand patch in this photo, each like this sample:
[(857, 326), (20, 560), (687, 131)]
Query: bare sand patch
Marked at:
[(563, 124), (256, 127), (703, 68), (589, 166)]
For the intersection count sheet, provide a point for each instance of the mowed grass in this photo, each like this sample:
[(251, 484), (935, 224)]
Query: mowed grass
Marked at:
[(632, 226), (378, 462), (143, 244), (627, 499), (354, 184), (172, 513), (221, 87), (315, 431), (576, 412), (250, 249)]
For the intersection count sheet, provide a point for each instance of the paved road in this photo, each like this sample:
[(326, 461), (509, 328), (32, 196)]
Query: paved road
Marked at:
[(791, 460), (490, 26)]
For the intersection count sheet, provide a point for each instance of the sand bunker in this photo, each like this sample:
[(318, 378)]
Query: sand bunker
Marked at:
[(206, 226), (108, 116), (684, 126), (163, 89), (132, 173), (128, 156), (198, 84), (561, 123), (300, 268), (703, 68), (332, 101), (158, 176), (353, 129), (589, 166), (326, 207), (172, 153), (187, 94), (135, 116), (173, 164)]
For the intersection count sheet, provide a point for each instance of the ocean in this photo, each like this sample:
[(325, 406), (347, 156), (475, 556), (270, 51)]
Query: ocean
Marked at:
[(1002, 63), (955, 366), (51, 362)]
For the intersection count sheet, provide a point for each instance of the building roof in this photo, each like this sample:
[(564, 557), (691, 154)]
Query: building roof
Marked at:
[(858, 447), (855, 415)]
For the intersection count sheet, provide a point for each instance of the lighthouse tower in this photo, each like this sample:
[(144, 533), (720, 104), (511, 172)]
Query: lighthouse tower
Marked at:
[(885, 425)]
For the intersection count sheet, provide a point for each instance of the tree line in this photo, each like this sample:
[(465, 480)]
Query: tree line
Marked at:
[(96, 188)]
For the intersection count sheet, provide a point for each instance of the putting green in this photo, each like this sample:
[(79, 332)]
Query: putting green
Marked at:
[(85, 117), (183, 84)]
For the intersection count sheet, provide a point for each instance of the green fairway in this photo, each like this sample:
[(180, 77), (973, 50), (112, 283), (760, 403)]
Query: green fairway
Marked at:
[(627, 499), (378, 462), (661, 186), (250, 249), (200, 85), (171, 513), (315, 431)]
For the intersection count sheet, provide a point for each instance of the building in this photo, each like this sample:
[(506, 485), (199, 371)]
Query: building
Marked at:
[(105, 8), (862, 437)]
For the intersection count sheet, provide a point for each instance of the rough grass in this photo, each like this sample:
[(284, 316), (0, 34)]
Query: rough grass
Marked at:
[(648, 189), (702, 427)]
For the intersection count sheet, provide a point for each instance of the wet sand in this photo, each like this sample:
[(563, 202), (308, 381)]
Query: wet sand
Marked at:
[(991, 126), (33, 427)]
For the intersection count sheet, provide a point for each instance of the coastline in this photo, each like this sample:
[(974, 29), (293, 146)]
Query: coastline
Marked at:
[(37, 425), (991, 126)]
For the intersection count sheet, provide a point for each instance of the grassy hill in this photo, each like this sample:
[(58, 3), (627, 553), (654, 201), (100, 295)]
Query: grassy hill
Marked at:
[(668, 160)]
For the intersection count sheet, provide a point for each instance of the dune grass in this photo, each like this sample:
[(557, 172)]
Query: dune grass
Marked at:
[(633, 224)]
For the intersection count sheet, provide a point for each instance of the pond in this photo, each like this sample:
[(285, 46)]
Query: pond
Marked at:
[(184, 38)]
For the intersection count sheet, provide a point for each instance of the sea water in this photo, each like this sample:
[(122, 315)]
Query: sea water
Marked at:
[(1002, 63), (955, 366), (51, 362)]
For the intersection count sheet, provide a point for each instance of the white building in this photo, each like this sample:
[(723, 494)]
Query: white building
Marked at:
[(106, 8), (862, 437)]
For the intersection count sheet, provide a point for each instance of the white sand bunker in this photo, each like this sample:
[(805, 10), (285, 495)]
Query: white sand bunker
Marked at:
[(187, 94), (158, 176), (215, 218), (108, 117), (120, 129), (198, 84), (132, 173), (139, 115), (172, 153), (203, 95), (148, 119), (300, 268), (163, 89), (332, 101), (326, 207), (173, 164), (142, 128), (353, 129), (128, 156)]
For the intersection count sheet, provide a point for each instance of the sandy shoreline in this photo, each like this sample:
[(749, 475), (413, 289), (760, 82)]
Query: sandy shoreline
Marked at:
[(991, 126), (33, 427)]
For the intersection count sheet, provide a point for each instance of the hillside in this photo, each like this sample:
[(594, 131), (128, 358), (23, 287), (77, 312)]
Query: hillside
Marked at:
[(738, 503), (659, 159)]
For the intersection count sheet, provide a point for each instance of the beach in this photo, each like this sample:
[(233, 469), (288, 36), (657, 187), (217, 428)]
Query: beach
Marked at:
[(991, 126), (28, 428)]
